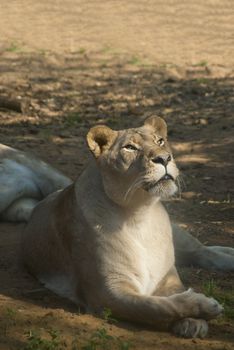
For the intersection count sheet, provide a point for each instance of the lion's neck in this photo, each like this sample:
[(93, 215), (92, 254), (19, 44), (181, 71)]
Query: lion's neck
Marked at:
[(90, 189)]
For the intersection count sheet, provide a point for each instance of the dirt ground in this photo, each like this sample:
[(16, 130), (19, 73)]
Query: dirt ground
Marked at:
[(67, 65)]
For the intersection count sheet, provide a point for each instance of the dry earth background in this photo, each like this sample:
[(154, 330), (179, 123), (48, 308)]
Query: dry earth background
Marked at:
[(67, 65)]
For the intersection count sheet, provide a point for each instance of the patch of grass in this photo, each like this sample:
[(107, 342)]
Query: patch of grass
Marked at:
[(209, 288), (167, 65), (103, 63), (124, 345), (107, 316), (36, 342), (107, 49), (73, 119), (45, 134), (82, 51), (202, 81), (14, 47), (11, 313), (43, 52), (202, 63), (226, 298), (101, 340), (10, 317), (135, 60)]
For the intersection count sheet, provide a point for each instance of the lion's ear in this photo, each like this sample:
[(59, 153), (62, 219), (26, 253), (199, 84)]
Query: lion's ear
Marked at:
[(158, 124), (100, 138)]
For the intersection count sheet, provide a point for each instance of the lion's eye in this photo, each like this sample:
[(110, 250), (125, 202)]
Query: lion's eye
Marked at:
[(131, 147), (160, 142)]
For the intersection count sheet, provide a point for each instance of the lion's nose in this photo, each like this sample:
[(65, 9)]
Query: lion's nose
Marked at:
[(163, 159)]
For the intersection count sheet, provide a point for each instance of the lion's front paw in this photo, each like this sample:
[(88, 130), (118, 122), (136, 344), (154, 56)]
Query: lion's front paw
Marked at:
[(190, 328), (208, 307), (197, 305)]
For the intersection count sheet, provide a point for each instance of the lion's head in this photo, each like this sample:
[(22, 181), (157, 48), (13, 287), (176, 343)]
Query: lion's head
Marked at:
[(135, 163)]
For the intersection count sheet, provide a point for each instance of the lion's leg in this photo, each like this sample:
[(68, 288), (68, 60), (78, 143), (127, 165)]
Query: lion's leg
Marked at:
[(190, 328), (186, 246), (19, 210), (17, 189), (223, 250), (170, 284), (160, 311), (189, 251), (187, 327), (217, 258)]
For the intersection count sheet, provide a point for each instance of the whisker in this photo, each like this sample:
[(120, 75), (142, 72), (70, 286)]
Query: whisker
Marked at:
[(134, 185), (182, 181), (179, 187)]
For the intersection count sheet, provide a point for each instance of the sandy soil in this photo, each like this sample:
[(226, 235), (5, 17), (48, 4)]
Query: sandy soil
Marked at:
[(69, 65)]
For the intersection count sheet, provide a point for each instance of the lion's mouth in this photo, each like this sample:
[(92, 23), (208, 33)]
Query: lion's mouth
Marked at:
[(165, 178)]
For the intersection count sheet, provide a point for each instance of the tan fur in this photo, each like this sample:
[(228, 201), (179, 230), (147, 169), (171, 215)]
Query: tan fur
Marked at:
[(106, 240)]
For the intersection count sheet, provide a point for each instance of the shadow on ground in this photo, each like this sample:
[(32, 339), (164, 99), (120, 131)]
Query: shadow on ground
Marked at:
[(60, 98)]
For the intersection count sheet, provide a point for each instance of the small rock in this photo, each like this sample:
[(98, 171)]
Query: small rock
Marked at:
[(203, 121)]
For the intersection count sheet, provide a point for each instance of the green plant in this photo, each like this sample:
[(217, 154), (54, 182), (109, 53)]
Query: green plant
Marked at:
[(101, 340), (107, 315), (14, 47), (210, 288), (10, 316), (82, 51), (36, 342), (124, 345), (226, 298), (11, 313), (202, 63), (202, 80), (135, 60), (43, 52), (45, 134), (73, 118)]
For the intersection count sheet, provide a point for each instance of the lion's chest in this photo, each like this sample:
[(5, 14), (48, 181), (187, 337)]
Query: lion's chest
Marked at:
[(140, 252), (152, 253)]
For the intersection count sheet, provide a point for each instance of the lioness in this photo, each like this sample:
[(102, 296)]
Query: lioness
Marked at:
[(24, 181), (106, 240)]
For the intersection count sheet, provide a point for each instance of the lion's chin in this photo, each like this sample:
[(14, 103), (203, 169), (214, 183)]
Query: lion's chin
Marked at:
[(163, 189)]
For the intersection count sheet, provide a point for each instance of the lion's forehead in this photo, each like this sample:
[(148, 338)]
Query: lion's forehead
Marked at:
[(140, 136)]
